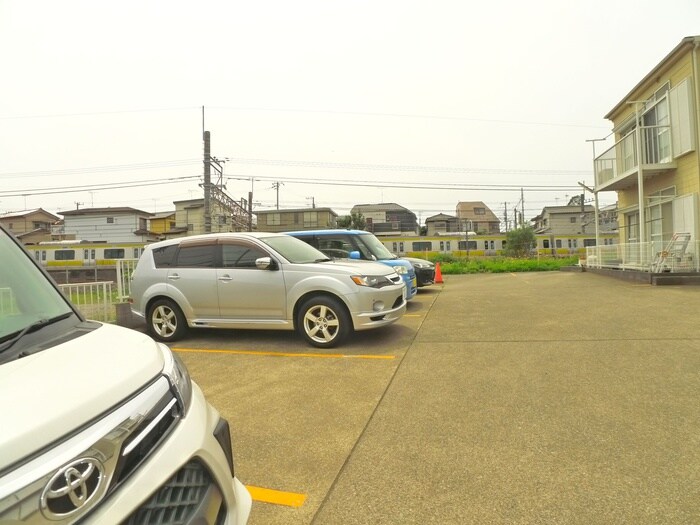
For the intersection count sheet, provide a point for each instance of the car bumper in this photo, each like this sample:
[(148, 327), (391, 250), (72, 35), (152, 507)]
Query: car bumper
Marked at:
[(425, 276), (411, 286), (191, 449), (378, 308)]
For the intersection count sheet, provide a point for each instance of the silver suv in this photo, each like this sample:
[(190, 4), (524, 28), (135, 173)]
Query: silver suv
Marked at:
[(261, 280)]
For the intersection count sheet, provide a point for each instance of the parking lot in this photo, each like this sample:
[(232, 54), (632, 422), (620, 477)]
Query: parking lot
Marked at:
[(499, 398)]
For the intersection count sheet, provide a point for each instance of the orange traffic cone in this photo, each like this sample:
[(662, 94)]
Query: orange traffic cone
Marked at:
[(438, 274)]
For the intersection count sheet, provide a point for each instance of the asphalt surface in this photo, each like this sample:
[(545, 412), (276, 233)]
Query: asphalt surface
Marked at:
[(554, 397)]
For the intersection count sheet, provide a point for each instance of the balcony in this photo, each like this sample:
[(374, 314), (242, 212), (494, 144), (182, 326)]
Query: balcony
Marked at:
[(618, 167)]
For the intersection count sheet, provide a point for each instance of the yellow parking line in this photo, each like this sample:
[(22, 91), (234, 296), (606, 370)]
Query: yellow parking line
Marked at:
[(282, 354), (412, 315), (290, 499)]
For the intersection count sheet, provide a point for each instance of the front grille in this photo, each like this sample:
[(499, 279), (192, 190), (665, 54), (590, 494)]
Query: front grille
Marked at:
[(190, 496)]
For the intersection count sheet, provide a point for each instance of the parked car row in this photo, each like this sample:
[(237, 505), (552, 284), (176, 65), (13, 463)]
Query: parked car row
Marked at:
[(265, 281)]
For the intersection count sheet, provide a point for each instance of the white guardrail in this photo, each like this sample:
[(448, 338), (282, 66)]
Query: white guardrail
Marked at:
[(94, 300)]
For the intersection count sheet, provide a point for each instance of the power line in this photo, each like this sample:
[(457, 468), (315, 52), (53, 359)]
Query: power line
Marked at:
[(410, 185), (102, 169), (95, 187), (397, 167)]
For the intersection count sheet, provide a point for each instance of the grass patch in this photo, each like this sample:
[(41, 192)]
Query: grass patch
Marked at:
[(455, 266)]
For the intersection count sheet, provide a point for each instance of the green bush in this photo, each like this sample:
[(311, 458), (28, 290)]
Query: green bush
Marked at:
[(504, 265)]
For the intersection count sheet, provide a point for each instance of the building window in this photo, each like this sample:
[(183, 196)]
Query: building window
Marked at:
[(190, 227), (572, 219), (442, 246), (274, 219), (400, 247), (545, 243), (394, 247), (110, 220), (479, 211), (558, 242), (447, 245), (64, 255), (310, 219)]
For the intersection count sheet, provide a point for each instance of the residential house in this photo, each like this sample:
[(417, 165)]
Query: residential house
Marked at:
[(654, 165), (118, 224), (443, 224), (477, 217), (162, 224), (30, 226), (296, 219), (565, 220), (388, 219)]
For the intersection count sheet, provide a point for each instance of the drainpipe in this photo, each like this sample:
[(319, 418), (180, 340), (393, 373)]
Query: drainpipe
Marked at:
[(696, 81), (640, 178)]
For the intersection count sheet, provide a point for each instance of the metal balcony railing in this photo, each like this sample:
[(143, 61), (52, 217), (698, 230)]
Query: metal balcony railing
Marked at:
[(621, 160), (645, 257)]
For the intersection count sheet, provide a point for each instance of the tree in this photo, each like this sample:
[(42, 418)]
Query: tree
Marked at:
[(355, 221), (520, 241)]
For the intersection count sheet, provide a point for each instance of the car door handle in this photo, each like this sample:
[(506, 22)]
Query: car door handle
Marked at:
[(174, 277), (225, 278)]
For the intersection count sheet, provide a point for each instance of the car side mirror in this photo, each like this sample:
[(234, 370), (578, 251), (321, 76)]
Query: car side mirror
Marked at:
[(265, 263), (355, 254)]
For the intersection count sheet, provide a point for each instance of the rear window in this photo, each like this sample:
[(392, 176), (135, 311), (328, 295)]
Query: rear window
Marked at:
[(164, 257)]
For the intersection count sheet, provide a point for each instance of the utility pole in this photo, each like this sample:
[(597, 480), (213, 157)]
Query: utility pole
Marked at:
[(77, 205), (276, 186), (207, 182), (505, 214), (522, 208), (250, 210)]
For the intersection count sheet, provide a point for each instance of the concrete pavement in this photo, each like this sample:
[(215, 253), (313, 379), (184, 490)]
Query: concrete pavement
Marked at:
[(554, 397), (536, 398)]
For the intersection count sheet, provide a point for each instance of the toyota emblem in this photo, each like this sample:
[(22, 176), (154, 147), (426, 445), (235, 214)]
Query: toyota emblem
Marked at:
[(72, 489)]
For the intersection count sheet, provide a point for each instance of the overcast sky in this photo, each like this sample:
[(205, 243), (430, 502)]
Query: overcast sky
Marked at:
[(342, 103)]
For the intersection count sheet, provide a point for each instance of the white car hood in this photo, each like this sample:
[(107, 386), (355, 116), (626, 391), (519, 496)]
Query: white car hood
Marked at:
[(52, 393)]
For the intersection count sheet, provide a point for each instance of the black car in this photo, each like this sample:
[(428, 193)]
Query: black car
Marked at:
[(425, 270)]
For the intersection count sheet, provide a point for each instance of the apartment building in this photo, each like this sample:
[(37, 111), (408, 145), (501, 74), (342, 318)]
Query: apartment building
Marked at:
[(654, 164)]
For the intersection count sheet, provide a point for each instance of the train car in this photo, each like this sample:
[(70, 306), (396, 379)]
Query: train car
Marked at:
[(83, 254), (473, 245)]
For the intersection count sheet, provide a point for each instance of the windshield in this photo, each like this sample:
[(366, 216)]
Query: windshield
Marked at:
[(375, 247), (26, 296), (294, 250)]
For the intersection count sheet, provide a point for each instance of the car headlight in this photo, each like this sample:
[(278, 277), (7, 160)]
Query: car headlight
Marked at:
[(178, 376), (401, 270), (374, 281)]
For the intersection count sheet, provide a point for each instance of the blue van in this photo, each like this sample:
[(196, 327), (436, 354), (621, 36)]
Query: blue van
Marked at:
[(358, 244)]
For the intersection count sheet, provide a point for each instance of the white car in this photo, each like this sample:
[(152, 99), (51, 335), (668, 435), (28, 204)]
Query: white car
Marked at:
[(101, 424), (261, 280)]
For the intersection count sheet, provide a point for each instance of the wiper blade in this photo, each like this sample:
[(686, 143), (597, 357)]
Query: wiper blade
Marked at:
[(37, 325), (325, 259)]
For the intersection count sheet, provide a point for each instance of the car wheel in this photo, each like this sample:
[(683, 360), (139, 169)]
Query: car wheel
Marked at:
[(323, 322), (166, 321)]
